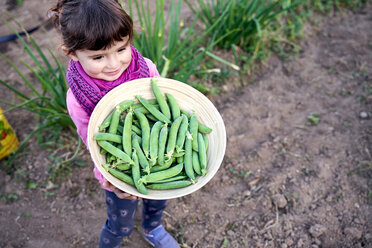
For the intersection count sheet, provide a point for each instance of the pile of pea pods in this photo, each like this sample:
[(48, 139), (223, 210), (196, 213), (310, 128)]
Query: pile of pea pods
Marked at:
[(154, 144)]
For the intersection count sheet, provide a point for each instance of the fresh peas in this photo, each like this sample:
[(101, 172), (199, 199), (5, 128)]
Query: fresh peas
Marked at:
[(162, 141), (154, 144), (108, 137), (154, 111), (139, 105), (118, 174), (182, 133), (115, 151), (145, 130), (175, 178), (188, 159), (173, 137), (141, 156), (122, 167), (202, 154), (180, 159), (170, 185), (206, 141), (164, 166), (127, 133), (124, 105), (160, 99), (136, 174), (175, 109), (194, 131), (106, 123), (115, 120), (136, 130), (195, 162), (201, 127), (160, 175)]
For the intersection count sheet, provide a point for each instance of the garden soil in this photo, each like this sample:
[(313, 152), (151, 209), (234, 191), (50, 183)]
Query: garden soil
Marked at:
[(287, 180)]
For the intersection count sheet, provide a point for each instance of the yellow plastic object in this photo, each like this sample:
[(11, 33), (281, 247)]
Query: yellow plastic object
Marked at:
[(8, 139)]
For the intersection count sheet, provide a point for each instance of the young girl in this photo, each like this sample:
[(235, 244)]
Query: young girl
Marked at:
[(97, 36)]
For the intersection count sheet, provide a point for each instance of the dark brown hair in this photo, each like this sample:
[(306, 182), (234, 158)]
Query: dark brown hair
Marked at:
[(91, 24)]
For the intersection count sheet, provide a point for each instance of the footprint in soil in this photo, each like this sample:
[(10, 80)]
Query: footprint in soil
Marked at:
[(11, 4), (3, 47)]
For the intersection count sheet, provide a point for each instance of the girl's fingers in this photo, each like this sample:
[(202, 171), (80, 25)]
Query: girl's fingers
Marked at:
[(118, 192)]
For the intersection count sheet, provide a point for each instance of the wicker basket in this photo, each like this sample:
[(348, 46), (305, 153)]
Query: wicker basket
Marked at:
[(190, 100)]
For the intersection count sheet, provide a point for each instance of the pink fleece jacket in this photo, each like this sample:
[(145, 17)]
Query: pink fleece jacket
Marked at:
[(81, 118)]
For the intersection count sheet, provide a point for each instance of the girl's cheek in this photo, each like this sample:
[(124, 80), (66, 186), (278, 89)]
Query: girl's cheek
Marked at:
[(93, 70)]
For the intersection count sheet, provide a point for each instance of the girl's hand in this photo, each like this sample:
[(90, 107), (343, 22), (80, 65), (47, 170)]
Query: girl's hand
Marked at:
[(119, 193)]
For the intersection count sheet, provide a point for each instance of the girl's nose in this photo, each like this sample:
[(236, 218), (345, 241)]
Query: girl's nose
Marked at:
[(112, 62)]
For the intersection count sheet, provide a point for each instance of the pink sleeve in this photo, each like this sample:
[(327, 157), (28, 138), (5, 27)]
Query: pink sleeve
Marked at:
[(81, 120), (78, 116), (152, 68)]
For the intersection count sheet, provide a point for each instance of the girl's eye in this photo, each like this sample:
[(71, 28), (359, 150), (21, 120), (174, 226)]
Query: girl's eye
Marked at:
[(121, 49), (97, 58)]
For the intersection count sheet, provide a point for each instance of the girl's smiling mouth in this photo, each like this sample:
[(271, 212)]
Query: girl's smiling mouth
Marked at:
[(113, 73)]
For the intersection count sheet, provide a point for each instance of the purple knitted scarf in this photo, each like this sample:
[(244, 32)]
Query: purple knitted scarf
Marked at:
[(88, 91)]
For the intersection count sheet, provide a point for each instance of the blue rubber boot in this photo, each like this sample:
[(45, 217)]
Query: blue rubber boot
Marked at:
[(160, 238)]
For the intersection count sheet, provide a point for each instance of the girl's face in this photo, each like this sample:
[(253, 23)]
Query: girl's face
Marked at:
[(106, 64)]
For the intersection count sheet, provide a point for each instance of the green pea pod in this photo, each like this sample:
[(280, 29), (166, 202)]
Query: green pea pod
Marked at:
[(139, 105), (180, 142), (206, 141), (188, 158), (115, 151), (178, 154), (145, 131), (165, 166), (180, 159), (170, 185), (127, 132), (151, 117), (118, 174), (109, 158), (202, 154), (141, 156), (160, 175), (120, 130), (136, 130), (108, 137), (204, 129), (194, 131), (106, 123), (116, 115), (201, 127), (163, 136), (154, 111), (173, 104), (195, 162), (125, 104), (115, 120), (172, 138), (154, 142), (160, 99), (136, 175), (143, 110), (122, 167), (175, 178)]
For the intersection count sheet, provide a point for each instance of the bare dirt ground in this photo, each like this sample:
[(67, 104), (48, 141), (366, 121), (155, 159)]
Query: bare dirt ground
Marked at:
[(283, 183)]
